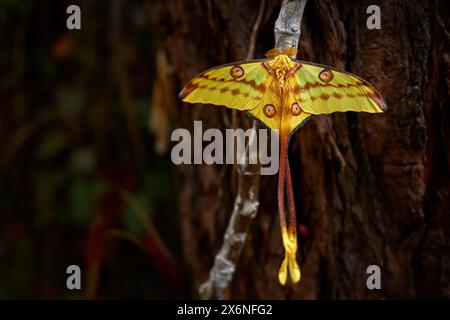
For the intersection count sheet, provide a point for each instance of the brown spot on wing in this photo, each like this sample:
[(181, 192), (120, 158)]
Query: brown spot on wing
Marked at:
[(235, 92), (324, 96), (336, 95), (262, 88), (251, 83), (316, 84)]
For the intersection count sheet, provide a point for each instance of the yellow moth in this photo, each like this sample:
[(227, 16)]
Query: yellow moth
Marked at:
[(283, 93)]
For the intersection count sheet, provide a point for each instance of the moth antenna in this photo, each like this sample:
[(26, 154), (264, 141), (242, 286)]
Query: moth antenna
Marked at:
[(272, 53), (291, 52)]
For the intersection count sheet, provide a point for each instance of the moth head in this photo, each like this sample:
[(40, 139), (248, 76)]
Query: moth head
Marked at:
[(272, 53), (290, 51)]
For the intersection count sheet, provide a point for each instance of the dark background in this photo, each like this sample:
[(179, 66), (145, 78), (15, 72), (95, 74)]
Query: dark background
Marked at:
[(86, 176)]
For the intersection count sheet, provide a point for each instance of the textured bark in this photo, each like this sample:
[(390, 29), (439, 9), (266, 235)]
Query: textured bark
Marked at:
[(370, 189)]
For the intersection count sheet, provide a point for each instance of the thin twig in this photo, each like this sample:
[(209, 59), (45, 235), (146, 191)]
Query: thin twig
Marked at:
[(287, 34), (288, 25)]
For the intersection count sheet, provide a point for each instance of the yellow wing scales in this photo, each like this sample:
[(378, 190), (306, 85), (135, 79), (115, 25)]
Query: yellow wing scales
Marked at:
[(249, 90), (343, 92), (250, 86), (218, 86)]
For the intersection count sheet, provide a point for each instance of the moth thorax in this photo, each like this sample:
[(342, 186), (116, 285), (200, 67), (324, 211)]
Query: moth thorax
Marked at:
[(281, 65), (280, 75)]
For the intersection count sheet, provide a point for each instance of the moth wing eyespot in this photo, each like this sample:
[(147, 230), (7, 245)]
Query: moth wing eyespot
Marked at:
[(237, 71), (295, 109), (326, 75), (269, 110)]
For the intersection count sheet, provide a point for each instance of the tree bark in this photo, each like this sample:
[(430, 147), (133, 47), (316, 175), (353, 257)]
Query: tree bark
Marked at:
[(369, 189)]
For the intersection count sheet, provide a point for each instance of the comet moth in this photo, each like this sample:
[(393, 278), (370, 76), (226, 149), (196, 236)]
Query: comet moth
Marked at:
[(283, 93)]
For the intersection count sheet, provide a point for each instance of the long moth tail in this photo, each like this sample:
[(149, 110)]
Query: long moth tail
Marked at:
[(289, 234)]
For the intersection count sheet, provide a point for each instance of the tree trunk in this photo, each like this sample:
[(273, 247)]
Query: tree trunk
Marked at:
[(369, 189)]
